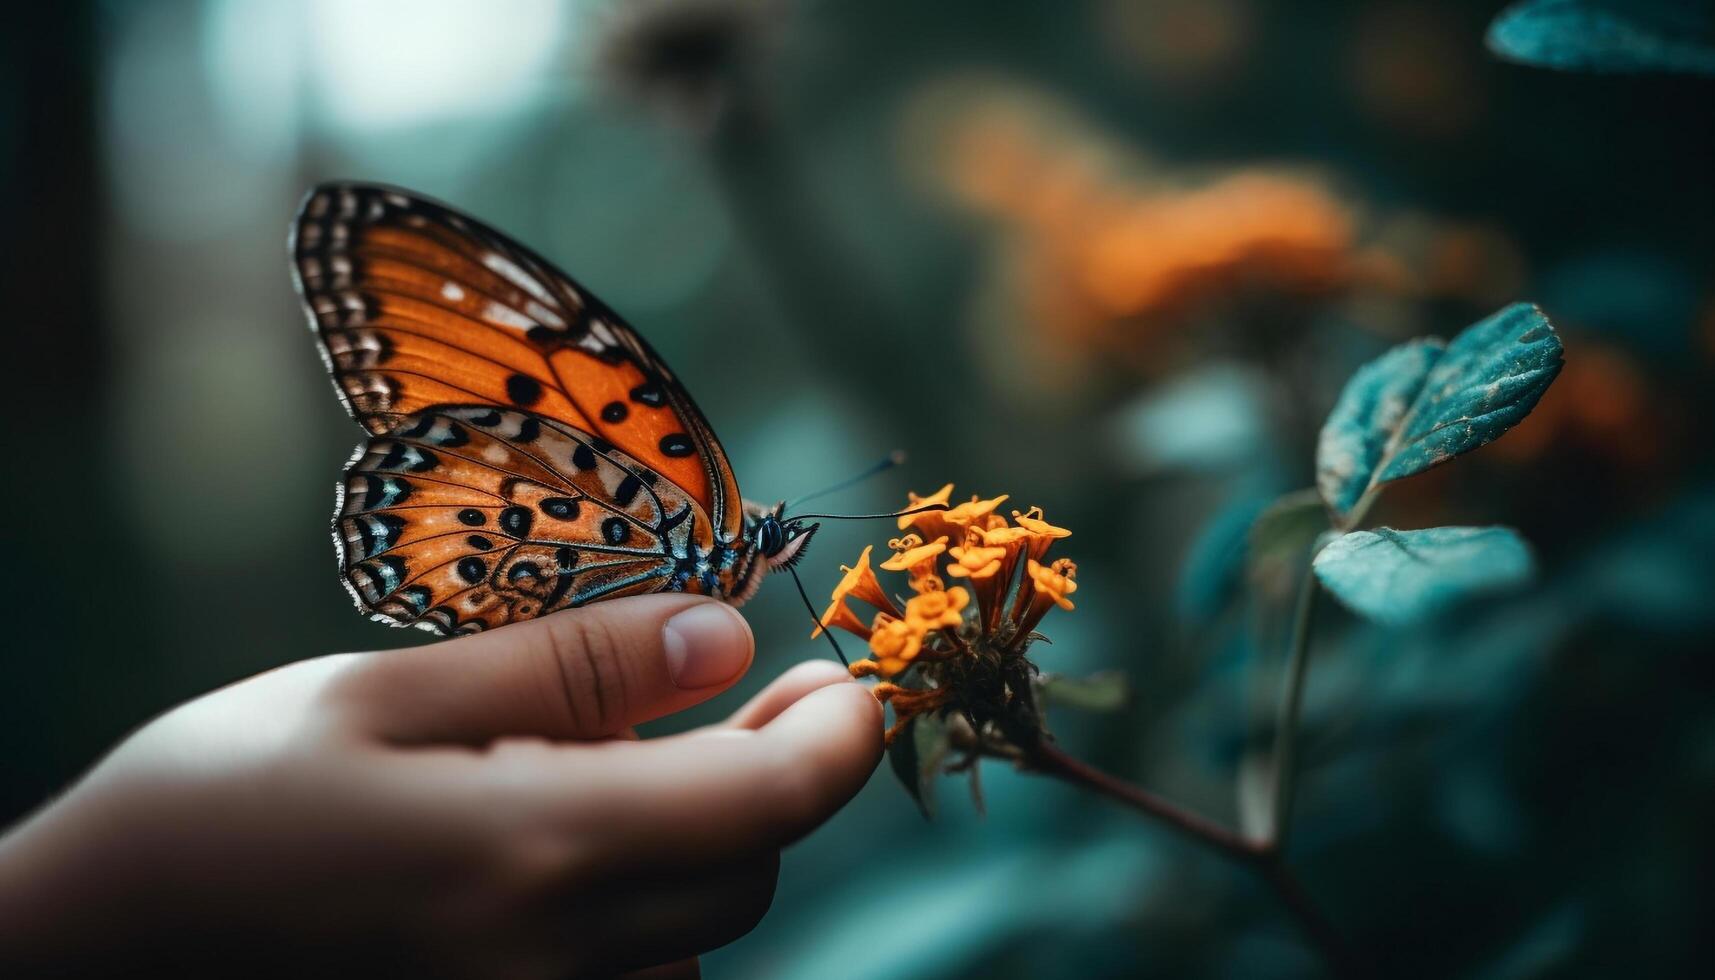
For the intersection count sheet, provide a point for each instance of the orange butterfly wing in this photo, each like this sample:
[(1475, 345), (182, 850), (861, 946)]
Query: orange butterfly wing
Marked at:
[(468, 517), (528, 450), (418, 306)]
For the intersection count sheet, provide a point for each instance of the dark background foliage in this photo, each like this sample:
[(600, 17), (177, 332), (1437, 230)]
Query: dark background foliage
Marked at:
[(1112, 258)]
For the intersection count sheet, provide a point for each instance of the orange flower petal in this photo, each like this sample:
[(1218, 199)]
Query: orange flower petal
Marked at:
[(938, 497), (841, 615), (1002, 537), (912, 556), (894, 639), (1031, 520), (974, 511), (937, 610), (1054, 582), (860, 583), (975, 561)]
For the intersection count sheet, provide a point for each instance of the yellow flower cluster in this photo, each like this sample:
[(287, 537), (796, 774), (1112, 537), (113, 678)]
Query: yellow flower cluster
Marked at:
[(1004, 587)]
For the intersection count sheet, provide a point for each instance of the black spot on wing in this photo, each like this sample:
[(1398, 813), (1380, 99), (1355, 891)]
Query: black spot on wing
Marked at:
[(479, 542), (559, 508), (392, 571), (453, 436), (516, 521), (614, 412), (377, 532), (377, 492), (419, 428), (472, 517), (627, 490), (677, 444), (377, 578), (583, 457), (472, 569), (649, 393), (523, 390), (615, 530), (399, 456)]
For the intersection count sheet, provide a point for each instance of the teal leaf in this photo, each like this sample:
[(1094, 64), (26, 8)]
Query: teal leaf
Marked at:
[(915, 758), (1369, 415), (1422, 404), (1608, 35), (1105, 691), (1398, 577)]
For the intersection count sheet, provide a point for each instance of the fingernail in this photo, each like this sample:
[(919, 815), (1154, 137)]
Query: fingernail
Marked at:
[(706, 644)]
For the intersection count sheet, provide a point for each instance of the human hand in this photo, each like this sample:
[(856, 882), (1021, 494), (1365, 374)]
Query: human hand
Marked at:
[(474, 808)]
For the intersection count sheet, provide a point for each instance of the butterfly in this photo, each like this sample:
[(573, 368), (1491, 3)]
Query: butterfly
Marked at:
[(528, 451)]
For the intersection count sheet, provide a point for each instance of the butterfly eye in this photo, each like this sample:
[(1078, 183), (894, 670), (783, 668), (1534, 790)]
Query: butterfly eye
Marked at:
[(770, 537)]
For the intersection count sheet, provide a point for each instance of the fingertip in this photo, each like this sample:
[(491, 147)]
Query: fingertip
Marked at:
[(707, 645), (867, 716), (821, 671), (831, 740), (578, 673), (732, 787), (839, 722), (785, 690)]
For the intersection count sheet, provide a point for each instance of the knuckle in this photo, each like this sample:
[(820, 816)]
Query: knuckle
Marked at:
[(350, 679), (591, 668), (533, 865)]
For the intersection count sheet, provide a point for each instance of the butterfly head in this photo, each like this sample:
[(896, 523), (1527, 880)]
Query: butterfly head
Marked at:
[(778, 538)]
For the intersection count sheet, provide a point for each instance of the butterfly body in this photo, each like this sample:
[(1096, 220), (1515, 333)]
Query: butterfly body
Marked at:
[(528, 451)]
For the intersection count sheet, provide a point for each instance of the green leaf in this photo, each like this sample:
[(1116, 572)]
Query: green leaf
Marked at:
[(1106, 691), (1422, 404), (1398, 577), (1281, 539), (915, 757), (1608, 35)]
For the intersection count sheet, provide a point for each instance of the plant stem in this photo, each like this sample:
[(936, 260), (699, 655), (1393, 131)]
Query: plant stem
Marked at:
[(1309, 918), (1286, 723), (1046, 757), (1262, 858), (1361, 509)]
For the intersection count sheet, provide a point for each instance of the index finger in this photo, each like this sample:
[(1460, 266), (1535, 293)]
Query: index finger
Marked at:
[(707, 794)]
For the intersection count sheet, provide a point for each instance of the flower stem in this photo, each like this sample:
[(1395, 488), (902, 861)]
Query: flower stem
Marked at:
[(1309, 918), (1286, 724), (1047, 758), (1262, 858)]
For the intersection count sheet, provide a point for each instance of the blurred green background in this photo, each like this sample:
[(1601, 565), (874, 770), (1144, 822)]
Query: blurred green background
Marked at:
[(1113, 258)]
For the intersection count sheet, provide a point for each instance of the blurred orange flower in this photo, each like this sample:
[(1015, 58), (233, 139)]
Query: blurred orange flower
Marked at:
[(1107, 260)]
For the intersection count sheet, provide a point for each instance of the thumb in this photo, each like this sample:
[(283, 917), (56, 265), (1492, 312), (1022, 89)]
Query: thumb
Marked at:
[(582, 673)]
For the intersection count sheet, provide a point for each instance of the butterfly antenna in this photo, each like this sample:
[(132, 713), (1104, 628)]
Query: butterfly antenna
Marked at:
[(815, 618), (926, 508), (888, 462)]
